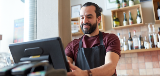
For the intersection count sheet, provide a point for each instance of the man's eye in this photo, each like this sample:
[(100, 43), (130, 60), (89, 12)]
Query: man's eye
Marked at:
[(89, 17), (81, 17)]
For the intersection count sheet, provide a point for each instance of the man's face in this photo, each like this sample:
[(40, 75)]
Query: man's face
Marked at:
[(88, 19)]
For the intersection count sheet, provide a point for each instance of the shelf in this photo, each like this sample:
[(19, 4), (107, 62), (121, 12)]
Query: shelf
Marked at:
[(157, 21), (155, 6), (127, 26), (75, 19), (140, 50), (80, 31), (120, 16), (102, 24), (127, 8)]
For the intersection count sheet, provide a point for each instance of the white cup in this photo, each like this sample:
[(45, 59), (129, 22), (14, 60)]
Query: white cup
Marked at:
[(147, 45), (158, 44)]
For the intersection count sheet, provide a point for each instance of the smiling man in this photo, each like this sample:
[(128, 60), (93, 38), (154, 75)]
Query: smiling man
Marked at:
[(95, 53)]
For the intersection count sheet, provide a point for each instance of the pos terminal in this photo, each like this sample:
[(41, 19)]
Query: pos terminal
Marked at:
[(50, 50)]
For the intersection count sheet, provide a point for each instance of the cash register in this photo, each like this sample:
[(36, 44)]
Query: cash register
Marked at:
[(43, 56)]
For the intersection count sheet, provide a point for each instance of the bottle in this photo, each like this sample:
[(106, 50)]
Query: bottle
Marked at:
[(118, 3), (114, 21), (154, 37), (138, 17), (130, 18), (158, 34), (118, 34), (130, 42), (121, 42), (140, 42), (117, 21), (151, 42), (135, 41), (131, 2), (125, 45), (158, 10), (125, 20), (124, 3), (99, 26), (145, 43), (122, 47)]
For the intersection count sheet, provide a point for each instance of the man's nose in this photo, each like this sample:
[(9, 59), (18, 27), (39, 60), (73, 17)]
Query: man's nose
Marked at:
[(85, 20)]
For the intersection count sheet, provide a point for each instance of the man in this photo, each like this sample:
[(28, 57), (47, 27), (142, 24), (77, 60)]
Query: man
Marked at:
[(95, 53)]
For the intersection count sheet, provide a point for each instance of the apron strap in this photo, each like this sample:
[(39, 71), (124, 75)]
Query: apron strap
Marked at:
[(80, 43), (100, 38)]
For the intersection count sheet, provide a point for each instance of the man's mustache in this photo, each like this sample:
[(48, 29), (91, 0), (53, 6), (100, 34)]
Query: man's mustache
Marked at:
[(86, 24)]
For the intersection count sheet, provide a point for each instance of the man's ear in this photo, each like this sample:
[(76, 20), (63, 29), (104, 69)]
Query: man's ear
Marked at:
[(99, 19)]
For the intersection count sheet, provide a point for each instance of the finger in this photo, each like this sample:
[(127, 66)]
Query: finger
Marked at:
[(69, 74), (72, 66)]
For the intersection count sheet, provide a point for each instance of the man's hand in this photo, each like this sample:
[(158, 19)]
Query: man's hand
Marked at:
[(76, 71)]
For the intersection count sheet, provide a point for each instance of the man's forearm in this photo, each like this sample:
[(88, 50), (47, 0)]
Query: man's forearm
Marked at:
[(104, 70)]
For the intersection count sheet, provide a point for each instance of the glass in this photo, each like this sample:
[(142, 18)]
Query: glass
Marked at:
[(154, 36), (118, 3), (150, 35), (125, 19), (125, 45), (130, 42), (135, 40), (130, 18), (145, 42), (138, 17), (5, 59), (117, 20)]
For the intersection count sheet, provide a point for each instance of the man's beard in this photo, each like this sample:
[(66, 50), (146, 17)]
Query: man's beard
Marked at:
[(90, 30)]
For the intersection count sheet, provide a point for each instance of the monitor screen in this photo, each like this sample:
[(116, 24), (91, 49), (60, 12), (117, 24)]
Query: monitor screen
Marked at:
[(43, 47)]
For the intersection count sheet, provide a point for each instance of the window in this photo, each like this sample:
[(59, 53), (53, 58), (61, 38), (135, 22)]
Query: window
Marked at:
[(18, 20)]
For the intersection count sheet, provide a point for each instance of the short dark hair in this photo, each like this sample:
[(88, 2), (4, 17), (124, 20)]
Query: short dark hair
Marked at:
[(98, 9)]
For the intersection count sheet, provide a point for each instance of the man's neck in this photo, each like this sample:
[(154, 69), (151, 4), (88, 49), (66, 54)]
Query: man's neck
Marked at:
[(96, 32)]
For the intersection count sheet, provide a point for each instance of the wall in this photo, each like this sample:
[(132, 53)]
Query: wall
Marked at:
[(136, 64), (53, 20), (9, 11), (48, 25), (147, 7), (147, 10), (101, 4), (47, 18), (132, 64)]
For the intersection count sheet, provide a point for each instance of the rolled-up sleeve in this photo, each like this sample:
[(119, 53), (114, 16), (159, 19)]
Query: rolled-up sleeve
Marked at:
[(113, 44), (68, 51)]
